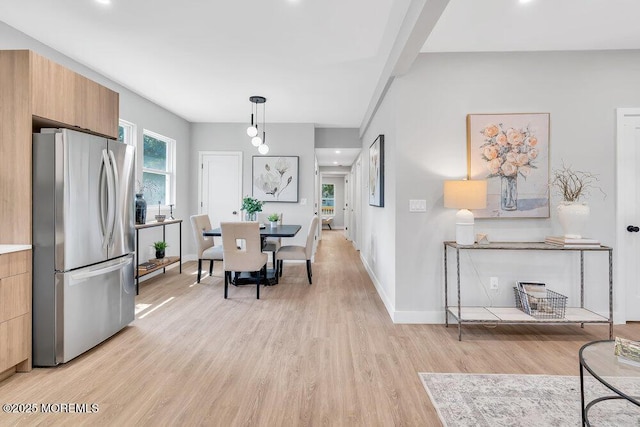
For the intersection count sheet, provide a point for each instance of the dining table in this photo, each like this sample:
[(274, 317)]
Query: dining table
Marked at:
[(284, 230)]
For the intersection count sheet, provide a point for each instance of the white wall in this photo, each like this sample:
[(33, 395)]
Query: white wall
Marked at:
[(283, 140), (579, 89), (145, 115)]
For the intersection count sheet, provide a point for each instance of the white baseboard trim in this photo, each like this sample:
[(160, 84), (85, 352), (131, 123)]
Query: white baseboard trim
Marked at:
[(383, 296), (403, 317), (419, 317)]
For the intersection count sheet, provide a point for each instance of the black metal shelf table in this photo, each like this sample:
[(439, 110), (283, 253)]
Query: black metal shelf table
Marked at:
[(512, 315), (171, 260), (599, 360)]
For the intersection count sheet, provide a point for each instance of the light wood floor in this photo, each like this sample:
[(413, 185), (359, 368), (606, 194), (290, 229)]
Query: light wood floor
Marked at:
[(302, 355)]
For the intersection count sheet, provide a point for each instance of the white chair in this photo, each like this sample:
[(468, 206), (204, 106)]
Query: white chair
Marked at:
[(205, 245), (327, 221), (236, 259), (293, 252)]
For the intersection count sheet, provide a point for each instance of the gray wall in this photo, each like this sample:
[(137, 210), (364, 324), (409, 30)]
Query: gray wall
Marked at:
[(145, 115), (338, 183), (423, 119), (337, 138), (377, 234), (283, 140)]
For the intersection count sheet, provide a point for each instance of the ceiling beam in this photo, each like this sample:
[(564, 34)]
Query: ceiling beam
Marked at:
[(419, 21)]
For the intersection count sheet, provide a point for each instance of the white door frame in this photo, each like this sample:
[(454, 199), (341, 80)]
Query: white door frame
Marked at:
[(356, 204), (201, 155), (625, 173)]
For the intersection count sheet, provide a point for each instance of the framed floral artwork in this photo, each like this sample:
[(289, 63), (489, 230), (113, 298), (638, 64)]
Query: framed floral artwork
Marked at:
[(275, 178), (376, 172), (510, 151)]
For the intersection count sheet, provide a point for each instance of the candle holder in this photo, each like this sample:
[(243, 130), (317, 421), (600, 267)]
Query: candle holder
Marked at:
[(171, 212)]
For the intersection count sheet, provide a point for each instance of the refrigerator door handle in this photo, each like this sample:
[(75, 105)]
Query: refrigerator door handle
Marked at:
[(102, 199), (100, 271), (116, 199), (110, 193)]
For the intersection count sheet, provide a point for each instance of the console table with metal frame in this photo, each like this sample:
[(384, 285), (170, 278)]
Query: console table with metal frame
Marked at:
[(512, 315), (170, 260)]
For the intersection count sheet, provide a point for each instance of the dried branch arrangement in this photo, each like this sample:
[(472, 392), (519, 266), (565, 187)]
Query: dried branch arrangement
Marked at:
[(572, 185)]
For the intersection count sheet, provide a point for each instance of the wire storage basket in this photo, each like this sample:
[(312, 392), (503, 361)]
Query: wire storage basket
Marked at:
[(552, 306)]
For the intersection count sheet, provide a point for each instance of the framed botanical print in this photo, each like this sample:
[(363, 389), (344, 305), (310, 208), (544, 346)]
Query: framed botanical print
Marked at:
[(376, 172), (275, 178), (510, 151)]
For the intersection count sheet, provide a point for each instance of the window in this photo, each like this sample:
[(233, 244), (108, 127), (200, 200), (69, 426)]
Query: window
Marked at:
[(328, 200), (127, 132), (158, 168)]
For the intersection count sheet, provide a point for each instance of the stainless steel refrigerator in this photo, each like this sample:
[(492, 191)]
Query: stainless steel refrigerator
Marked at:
[(83, 237)]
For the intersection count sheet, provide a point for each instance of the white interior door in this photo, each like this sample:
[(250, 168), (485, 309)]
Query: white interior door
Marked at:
[(628, 212), (221, 185), (346, 208), (356, 207)]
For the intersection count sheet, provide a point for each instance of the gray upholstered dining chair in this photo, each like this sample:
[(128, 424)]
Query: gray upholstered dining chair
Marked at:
[(205, 245), (293, 252), (237, 259), (271, 244)]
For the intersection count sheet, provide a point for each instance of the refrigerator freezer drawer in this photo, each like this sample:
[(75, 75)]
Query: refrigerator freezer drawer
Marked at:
[(91, 304)]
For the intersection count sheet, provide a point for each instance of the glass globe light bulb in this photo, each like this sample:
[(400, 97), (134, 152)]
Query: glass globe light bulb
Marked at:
[(256, 141), (252, 131), (263, 149)]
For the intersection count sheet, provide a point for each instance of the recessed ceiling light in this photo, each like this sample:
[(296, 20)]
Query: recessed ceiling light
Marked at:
[(525, 1), (337, 151), (335, 163), (104, 1)]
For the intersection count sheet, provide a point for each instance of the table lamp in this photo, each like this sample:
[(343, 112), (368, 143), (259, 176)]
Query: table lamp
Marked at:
[(465, 195)]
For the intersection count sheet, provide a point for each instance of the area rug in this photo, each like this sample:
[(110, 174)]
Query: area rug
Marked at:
[(524, 400)]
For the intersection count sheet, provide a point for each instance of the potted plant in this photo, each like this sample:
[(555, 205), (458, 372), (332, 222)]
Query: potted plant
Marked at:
[(251, 206), (273, 220), (160, 247), (573, 186)]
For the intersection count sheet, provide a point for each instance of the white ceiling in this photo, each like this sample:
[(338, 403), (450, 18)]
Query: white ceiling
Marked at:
[(336, 156), (315, 61), (514, 25)]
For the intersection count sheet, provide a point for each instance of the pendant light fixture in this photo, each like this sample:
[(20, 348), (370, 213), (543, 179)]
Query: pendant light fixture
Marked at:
[(252, 130)]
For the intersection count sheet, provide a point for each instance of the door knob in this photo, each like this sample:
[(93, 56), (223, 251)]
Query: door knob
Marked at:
[(633, 229), (235, 212)]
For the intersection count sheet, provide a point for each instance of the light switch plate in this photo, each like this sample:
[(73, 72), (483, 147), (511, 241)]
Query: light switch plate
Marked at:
[(303, 201), (417, 205)]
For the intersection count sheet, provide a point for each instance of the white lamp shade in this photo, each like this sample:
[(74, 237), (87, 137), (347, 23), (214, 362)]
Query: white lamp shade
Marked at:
[(263, 149), (252, 131), (465, 194), (256, 141)]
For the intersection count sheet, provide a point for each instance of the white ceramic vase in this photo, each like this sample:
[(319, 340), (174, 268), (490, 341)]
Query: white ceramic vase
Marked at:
[(573, 216)]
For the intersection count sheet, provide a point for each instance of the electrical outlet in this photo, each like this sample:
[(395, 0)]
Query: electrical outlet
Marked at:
[(493, 283)]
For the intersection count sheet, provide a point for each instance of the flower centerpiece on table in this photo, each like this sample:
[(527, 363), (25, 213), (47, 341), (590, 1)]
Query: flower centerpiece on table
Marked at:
[(572, 186), (251, 206), (508, 153)]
